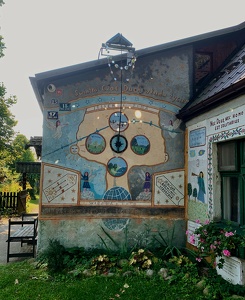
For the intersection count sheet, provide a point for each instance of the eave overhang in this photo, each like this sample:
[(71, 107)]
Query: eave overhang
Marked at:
[(216, 100)]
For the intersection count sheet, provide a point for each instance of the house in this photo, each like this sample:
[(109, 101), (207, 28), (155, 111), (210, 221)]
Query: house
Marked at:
[(131, 141), (215, 126)]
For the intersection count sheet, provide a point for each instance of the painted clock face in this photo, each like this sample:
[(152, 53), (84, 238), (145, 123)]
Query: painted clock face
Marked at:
[(118, 143)]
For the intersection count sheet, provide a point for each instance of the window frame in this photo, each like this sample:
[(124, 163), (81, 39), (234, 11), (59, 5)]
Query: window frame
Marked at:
[(240, 174)]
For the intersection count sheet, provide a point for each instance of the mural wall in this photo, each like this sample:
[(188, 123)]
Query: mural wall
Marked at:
[(203, 180), (114, 150)]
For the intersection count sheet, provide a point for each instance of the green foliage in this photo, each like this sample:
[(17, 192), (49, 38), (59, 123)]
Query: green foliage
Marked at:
[(128, 242), (16, 152), (2, 45), (53, 255), (7, 120), (28, 280), (102, 264), (122, 248), (142, 259), (215, 241), (168, 249)]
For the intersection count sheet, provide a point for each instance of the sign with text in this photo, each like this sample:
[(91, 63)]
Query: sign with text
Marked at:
[(197, 137), (231, 119), (233, 270), (169, 188)]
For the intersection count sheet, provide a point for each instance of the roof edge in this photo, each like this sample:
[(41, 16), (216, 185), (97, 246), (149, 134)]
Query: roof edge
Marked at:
[(206, 105)]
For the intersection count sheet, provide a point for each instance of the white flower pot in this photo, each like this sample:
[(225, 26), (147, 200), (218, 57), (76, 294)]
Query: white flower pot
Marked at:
[(233, 270)]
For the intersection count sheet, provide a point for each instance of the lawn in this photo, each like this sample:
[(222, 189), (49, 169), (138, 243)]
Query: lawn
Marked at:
[(22, 280), (30, 280), (32, 205)]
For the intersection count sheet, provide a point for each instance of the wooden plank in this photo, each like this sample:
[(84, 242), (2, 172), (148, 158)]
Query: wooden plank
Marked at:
[(25, 232)]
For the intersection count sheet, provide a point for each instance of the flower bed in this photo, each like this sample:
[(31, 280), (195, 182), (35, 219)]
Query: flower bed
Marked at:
[(213, 240)]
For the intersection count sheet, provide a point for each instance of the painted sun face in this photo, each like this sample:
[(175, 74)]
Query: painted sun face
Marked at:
[(74, 149)]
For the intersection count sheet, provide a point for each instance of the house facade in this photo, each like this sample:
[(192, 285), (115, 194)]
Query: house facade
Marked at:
[(130, 148), (216, 147)]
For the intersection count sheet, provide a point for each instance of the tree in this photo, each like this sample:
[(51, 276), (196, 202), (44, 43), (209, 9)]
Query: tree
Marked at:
[(195, 193), (18, 153), (7, 120), (189, 188), (2, 45)]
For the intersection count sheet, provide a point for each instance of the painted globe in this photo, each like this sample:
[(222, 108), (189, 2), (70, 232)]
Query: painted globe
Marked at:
[(117, 193), (121, 194)]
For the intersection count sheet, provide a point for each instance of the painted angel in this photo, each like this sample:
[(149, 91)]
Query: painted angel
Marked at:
[(172, 127), (57, 128)]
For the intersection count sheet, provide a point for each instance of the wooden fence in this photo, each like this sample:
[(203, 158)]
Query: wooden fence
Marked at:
[(9, 201)]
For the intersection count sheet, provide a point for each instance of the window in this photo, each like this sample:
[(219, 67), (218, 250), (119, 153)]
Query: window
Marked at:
[(231, 160)]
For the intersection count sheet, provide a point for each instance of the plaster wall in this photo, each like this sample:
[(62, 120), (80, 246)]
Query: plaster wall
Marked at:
[(88, 233), (223, 123), (85, 183)]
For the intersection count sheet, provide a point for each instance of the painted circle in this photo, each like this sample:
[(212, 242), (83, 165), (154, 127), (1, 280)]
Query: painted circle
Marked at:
[(95, 143), (117, 166), (118, 143), (140, 144), (118, 119)]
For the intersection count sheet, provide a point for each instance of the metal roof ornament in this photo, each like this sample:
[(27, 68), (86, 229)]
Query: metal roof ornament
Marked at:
[(120, 54)]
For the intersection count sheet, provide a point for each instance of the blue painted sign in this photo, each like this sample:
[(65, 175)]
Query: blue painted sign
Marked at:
[(197, 137), (65, 107), (53, 115)]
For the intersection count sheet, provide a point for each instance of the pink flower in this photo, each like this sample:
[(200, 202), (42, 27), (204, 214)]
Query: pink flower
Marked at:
[(227, 234), (199, 259), (226, 253), (212, 247), (198, 221), (192, 239), (187, 232), (206, 222)]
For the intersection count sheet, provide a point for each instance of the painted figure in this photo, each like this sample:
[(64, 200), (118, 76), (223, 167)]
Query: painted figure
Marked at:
[(86, 184), (201, 191), (57, 128), (147, 184)]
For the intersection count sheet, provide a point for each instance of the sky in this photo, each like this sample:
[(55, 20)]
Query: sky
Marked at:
[(43, 35)]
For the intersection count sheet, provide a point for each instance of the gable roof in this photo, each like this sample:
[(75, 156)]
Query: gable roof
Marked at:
[(228, 83), (40, 80)]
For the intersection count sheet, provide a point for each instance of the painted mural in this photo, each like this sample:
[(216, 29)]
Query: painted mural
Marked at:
[(126, 145), (197, 175), (202, 137), (85, 140)]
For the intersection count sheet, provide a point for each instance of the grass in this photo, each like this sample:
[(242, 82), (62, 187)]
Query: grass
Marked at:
[(29, 279), (32, 205), (22, 280)]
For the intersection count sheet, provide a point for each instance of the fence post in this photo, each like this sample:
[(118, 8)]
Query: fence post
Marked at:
[(21, 201)]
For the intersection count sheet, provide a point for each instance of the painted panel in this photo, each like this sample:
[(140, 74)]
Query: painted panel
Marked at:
[(60, 185), (201, 169), (169, 188)]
